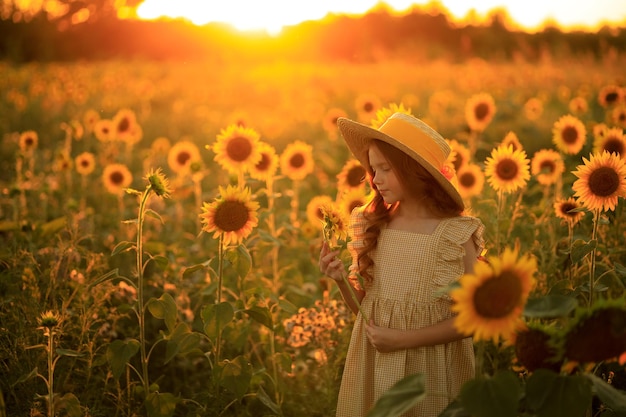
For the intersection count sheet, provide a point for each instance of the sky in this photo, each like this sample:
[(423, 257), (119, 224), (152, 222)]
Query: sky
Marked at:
[(271, 15)]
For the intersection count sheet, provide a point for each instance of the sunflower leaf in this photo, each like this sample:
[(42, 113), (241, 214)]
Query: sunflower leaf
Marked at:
[(580, 249), (550, 306), (401, 397), (492, 397), (613, 398), (552, 395)]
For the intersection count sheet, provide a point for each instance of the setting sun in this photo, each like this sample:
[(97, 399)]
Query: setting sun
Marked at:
[(272, 15)]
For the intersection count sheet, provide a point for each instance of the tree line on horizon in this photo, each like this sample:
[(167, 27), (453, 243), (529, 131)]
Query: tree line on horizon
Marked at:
[(375, 36)]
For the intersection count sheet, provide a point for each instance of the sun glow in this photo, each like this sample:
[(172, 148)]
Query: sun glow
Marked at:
[(272, 15)]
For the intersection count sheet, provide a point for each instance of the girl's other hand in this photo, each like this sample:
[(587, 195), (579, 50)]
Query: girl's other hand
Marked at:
[(383, 339), (330, 264)]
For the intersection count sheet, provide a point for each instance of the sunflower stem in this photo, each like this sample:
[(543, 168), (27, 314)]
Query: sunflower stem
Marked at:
[(140, 294), (592, 259), (50, 372), (220, 273), (480, 359)]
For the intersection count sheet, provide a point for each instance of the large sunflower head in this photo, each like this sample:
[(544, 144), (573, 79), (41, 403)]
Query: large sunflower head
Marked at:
[(568, 134), (366, 106), (490, 301), (233, 215), (28, 141), (479, 111), (596, 333), (534, 350), (611, 140), (507, 170), (547, 166), (116, 178), (352, 176), (266, 168), (610, 95), (296, 161), (182, 155), (601, 181), (471, 180), (237, 148), (569, 210), (334, 225), (85, 163), (314, 209), (384, 113)]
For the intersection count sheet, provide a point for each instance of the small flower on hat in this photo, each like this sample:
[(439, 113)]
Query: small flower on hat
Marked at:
[(447, 171)]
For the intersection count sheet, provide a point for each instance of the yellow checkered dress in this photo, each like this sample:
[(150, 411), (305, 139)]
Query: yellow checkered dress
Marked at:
[(408, 269)]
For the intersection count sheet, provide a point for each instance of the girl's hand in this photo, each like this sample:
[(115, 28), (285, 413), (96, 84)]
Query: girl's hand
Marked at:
[(383, 339), (330, 264)]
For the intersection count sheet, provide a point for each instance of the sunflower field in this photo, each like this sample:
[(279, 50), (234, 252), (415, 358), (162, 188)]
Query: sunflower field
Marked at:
[(160, 226)]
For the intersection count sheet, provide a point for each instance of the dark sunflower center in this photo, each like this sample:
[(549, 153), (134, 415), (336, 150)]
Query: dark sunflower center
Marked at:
[(507, 169), (481, 111), (614, 146), (84, 163), (499, 296), (566, 207), (264, 163), (297, 161), (124, 125), (368, 107), (569, 135), (116, 177), (231, 215), (239, 148), (105, 130), (183, 157), (355, 176), (29, 142), (458, 161), (467, 180), (603, 182), (611, 97), (547, 167)]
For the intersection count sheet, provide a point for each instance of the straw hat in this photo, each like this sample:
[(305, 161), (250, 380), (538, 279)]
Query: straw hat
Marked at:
[(410, 135)]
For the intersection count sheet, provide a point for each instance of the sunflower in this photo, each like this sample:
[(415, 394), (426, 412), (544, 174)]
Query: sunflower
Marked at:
[(547, 166), (352, 176), (236, 148), (490, 301), (601, 181), (384, 113), (479, 111), (599, 130), (569, 210), (534, 348), (611, 140), (182, 155), (90, 118), (568, 134), (618, 115), (610, 95), (596, 333), (314, 209), (232, 215), (578, 105), (512, 139), (104, 129), (116, 177), (125, 124), (471, 180), (296, 161), (85, 163), (459, 154), (366, 106), (267, 165), (335, 224), (160, 146), (507, 170), (49, 319), (329, 122), (28, 141), (158, 183), (533, 108), (352, 199)]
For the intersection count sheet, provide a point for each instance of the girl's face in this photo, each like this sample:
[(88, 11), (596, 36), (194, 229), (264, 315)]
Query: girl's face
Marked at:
[(385, 178)]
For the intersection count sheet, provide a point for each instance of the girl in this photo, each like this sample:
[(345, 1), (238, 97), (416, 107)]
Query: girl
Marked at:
[(408, 242)]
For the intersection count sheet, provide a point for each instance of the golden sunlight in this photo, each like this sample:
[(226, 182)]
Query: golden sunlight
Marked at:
[(272, 15)]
